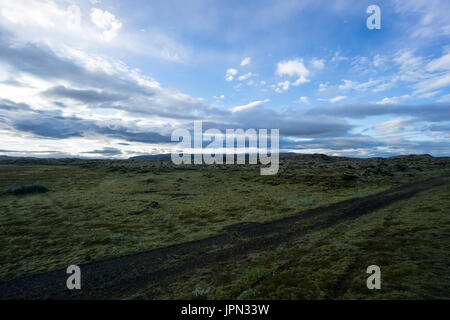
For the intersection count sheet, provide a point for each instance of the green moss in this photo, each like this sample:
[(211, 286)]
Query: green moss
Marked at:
[(86, 217)]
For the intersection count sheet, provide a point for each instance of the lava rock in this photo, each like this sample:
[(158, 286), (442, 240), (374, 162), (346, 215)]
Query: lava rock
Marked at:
[(350, 177), (31, 188), (153, 204)]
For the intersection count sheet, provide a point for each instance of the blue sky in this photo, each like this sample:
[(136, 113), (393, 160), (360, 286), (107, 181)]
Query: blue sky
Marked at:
[(99, 78)]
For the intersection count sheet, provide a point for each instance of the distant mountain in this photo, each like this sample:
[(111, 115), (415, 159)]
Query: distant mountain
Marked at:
[(152, 157), (14, 158), (166, 156)]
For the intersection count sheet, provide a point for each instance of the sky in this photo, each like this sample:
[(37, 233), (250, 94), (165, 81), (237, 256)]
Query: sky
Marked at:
[(114, 79)]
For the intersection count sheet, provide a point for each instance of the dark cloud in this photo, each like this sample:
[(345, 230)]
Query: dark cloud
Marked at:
[(13, 82), (9, 105), (85, 96), (291, 122), (440, 127), (29, 151), (42, 62), (52, 124), (427, 112), (106, 151), (335, 143)]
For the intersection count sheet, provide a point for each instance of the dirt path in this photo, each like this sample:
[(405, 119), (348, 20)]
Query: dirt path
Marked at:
[(113, 278)]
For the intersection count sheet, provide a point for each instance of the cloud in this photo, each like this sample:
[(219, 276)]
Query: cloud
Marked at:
[(245, 76), (293, 68), (85, 96), (433, 83), (442, 63), (52, 124), (337, 99), (58, 92), (143, 94), (338, 58), (392, 126), (444, 98), (107, 22), (282, 86), (31, 13), (303, 99), (221, 97), (106, 151), (355, 85), (290, 122), (444, 128), (249, 105), (432, 18), (393, 100), (348, 84), (246, 61), (318, 64), (378, 61), (425, 112), (352, 142), (230, 74), (64, 23), (429, 95)]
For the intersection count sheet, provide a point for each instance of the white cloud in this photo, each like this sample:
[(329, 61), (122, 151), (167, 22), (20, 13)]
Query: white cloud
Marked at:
[(230, 74), (249, 105), (337, 99), (348, 84), (444, 98), (442, 63), (433, 17), (383, 87), (318, 64), (391, 126), (338, 58), (303, 99), (354, 85), (429, 94), (378, 61), (393, 100), (59, 23), (433, 83), (411, 67), (333, 100), (107, 22), (282, 86), (293, 68), (246, 61), (31, 12), (221, 97), (323, 87), (245, 76)]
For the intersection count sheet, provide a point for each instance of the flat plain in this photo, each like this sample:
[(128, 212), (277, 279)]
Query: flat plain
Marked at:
[(154, 230)]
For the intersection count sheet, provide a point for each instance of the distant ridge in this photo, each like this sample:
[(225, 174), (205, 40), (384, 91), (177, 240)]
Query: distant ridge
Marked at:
[(165, 156)]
